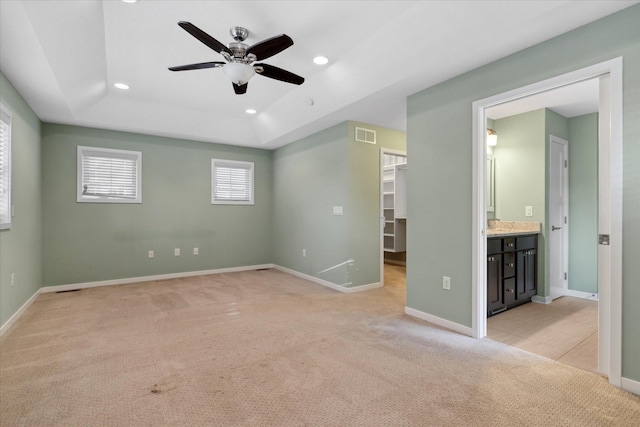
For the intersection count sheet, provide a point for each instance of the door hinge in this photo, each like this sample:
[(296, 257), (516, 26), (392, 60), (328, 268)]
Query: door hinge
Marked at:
[(565, 219), (566, 163), (565, 276)]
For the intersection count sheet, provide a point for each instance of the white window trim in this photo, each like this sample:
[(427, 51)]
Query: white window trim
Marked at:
[(137, 155), (231, 163), (5, 224)]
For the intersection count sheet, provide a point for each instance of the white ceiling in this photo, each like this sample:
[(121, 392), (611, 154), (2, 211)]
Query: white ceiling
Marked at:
[(65, 56)]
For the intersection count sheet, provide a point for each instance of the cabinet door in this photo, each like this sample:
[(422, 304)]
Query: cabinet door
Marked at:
[(495, 295), (526, 274)]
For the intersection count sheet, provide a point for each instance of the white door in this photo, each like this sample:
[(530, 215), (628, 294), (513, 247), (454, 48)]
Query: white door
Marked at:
[(558, 226)]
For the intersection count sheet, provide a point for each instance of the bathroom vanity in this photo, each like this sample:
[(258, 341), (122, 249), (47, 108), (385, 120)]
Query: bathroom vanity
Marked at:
[(511, 267)]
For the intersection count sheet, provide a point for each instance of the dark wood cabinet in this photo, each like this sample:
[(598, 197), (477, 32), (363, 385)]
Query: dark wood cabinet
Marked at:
[(511, 271), (495, 296)]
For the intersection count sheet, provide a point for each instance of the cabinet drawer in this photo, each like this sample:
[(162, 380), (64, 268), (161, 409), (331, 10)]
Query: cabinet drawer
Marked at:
[(509, 265), (494, 246), (509, 291), (509, 244), (523, 243)]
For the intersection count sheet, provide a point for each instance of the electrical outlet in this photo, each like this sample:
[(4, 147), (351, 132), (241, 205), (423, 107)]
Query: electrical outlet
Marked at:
[(151, 254), (446, 283), (528, 211), (176, 252), (13, 279), (304, 252), (195, 251)]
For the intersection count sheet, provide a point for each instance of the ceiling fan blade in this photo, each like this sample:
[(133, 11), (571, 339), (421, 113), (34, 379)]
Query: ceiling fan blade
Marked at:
[(204, 37), (239, 89), (278, 74), (198, 66), (269, 47)]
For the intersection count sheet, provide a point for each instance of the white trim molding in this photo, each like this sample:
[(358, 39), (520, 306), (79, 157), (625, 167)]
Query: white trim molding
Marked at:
[(13, 319), (456, 327), (542, 300), (125, 281), (340, 288), (632, 386), (581, 294)]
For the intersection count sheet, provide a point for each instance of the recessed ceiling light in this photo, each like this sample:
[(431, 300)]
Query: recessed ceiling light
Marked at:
[(121, 86), (320, 60), (129, 1), (250, 111)]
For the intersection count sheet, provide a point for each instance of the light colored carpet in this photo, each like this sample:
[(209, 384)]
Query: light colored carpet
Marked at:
[(265, 348)]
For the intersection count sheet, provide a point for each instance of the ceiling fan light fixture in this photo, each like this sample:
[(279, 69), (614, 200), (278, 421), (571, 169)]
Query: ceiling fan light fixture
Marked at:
[(238, 73)]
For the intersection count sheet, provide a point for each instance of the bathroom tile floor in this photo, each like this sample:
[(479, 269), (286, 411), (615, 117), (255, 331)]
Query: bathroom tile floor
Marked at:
[(565, 330)]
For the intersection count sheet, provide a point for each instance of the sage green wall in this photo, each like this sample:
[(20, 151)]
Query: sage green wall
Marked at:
[(519, 170), (520, 176), (310, 177), (86, 242), (313, 175), (364, 200), (583, 203), (440, 180), (20, 247)]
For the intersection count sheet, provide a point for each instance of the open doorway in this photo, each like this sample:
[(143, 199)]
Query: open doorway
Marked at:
[(393, 214), (530, 186), (609, 75)]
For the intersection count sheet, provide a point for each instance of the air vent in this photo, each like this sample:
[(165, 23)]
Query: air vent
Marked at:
[(366, 135)]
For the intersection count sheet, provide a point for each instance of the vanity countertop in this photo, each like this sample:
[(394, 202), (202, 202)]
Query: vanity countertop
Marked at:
[(511, 228)]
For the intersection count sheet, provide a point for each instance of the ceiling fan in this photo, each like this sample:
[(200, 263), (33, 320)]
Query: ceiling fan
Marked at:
[(240, 57)]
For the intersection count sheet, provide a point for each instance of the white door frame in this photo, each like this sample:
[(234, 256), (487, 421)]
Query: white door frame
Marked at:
[(384, 151), (565, 224), (609, 206)]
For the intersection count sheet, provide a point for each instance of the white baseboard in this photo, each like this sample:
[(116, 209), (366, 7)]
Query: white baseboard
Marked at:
[(541, 300), (73, 286), (344, 289), (632, 386), (465, 330), (580, 294), (362, 288), (4, 328)]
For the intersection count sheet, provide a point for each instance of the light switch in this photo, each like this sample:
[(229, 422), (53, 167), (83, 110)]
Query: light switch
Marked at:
[(337, 210), (528, 211)]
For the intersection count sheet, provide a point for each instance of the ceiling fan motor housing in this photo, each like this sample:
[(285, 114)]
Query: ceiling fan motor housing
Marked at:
[(239, 34)]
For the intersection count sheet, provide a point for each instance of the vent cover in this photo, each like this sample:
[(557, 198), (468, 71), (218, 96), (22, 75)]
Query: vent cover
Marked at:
[(366, 135)]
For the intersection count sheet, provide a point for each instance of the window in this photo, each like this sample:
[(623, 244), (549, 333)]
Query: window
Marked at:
[(231, 182), (109, 176), (5, 169)]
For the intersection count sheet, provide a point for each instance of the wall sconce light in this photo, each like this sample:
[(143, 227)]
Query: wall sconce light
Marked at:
[(492, 137)]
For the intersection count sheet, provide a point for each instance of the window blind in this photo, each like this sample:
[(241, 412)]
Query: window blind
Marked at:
[(5, 170), (109, 175), (232, 182)]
